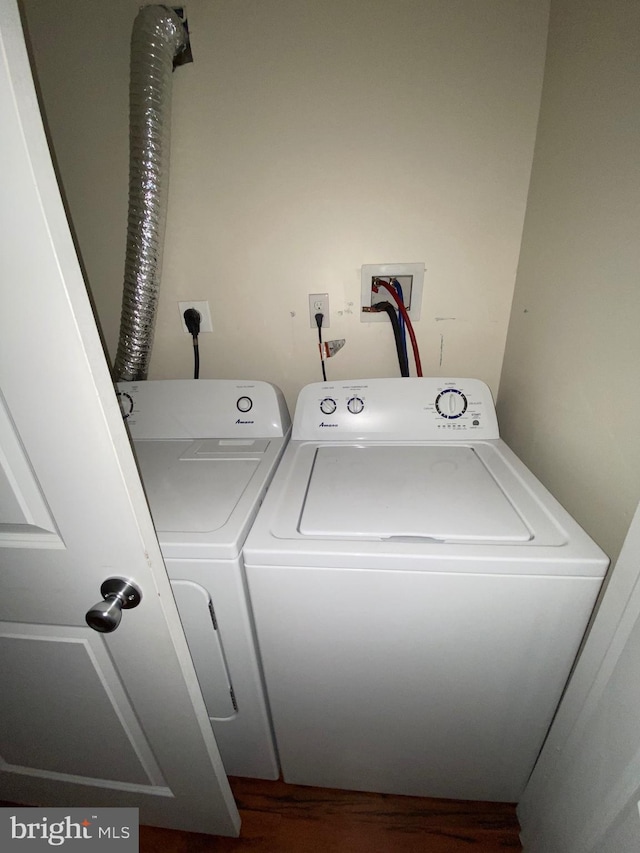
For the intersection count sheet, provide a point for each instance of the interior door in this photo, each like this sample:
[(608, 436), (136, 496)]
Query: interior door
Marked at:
[(86, 718)]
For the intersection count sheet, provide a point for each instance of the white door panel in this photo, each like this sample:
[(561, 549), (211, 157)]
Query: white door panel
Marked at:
[(24, 515), (85, 718), (38, 661)]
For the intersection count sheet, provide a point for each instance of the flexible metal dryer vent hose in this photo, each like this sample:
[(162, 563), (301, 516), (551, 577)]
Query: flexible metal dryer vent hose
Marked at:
[(158, 37)]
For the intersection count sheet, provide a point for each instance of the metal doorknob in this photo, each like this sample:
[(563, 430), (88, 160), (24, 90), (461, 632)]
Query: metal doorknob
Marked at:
[(118, 594)]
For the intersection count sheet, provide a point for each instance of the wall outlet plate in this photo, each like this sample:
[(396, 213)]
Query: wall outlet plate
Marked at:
[(205, 315), (410, 276), (319, 304)]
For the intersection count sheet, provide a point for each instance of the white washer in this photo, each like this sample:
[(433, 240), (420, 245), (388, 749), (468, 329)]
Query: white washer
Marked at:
[(207, 450), (419, 596)]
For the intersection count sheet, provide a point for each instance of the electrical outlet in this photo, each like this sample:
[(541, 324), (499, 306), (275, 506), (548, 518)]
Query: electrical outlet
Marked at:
[(205, 315), (411, 279), (319, 304)]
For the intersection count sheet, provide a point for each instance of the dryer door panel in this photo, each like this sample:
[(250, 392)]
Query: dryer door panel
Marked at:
[(200, 627)]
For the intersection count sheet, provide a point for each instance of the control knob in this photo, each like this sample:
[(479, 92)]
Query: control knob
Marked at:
[(451, 403), (126, 403), (355, 405), (244, 404), (328, 406)]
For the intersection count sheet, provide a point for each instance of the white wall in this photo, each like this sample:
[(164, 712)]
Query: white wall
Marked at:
[(569, 402), (584, 793), (310, 138)]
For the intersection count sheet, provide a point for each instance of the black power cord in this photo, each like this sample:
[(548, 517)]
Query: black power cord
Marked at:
[(192, 321), (319, 319), (397, 334)]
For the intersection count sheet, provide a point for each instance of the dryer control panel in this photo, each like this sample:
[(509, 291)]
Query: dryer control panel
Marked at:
[(202, 408), (422, 409)]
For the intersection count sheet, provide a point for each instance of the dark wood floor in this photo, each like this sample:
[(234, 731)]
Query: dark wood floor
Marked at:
[(280, 818)]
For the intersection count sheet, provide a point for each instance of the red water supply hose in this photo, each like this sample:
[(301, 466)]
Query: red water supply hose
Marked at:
[(401, 307)]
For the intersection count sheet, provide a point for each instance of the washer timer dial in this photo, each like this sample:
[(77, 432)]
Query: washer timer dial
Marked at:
[(451, 403)]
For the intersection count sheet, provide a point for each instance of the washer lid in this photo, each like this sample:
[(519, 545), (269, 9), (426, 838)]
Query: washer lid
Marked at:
[(437, 492)]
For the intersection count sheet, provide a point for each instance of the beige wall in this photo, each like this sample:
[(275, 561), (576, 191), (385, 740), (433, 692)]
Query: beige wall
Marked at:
[(81, 54), (569, 402), (310, 138)]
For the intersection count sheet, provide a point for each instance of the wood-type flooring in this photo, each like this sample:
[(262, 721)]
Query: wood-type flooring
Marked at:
[(281, 818)]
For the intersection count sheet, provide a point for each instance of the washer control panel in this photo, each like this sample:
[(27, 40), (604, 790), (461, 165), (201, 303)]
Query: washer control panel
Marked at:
[(422, 409)]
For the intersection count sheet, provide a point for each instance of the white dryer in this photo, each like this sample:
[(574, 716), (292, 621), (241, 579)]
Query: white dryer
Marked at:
[(207, 450), (419, 596)]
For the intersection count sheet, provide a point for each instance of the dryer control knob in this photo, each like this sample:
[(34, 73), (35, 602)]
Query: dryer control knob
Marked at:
[(451, 403), (244, 404), (355, 405), (126, 403), (328, 406)]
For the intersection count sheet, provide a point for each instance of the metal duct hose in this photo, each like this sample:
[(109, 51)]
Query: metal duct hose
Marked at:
[(158, 36)]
